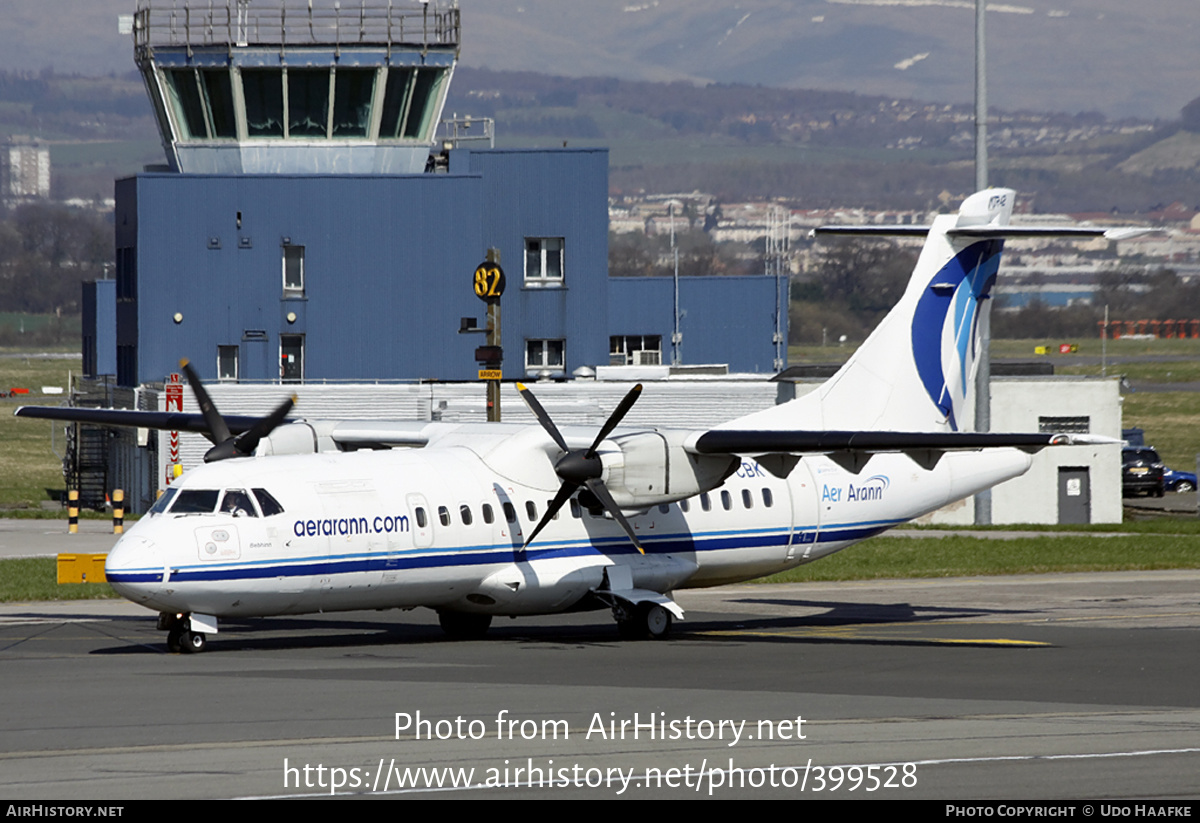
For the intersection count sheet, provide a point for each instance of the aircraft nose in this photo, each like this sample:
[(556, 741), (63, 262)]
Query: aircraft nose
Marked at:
[(131, 568)]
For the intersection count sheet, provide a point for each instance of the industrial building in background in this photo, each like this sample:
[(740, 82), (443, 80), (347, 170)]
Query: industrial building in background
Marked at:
[(25, 170)]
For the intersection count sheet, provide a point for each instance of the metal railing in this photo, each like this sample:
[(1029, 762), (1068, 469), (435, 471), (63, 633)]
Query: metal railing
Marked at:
[(283, 23)]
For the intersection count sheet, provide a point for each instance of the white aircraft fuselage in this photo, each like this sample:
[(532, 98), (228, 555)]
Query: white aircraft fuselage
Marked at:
[(407, 528)]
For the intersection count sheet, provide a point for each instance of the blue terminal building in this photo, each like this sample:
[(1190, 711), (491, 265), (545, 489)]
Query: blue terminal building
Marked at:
[(307, 228)]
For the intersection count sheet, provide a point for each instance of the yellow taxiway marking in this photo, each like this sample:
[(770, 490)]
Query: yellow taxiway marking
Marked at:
[(856, 633)]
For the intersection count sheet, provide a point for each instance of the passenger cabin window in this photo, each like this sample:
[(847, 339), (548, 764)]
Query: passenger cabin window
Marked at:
[(768, 499), (464, 512), (443, 515), (531, 510), (747, 499), (706, 502), (488, 516), (422, 520), (726, 501), (510, 514), (684, 505)]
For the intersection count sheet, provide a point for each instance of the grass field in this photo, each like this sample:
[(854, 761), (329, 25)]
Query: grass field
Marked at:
[(30, 463), (35, 578)]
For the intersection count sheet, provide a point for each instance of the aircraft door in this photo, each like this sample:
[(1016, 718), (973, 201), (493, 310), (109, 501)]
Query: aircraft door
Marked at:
[(805, 511)]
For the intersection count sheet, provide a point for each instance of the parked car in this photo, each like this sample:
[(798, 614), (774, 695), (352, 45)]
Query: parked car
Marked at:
[(1179, 482), (1142, 472)]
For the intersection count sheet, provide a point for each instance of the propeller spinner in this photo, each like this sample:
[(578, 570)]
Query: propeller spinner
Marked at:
[(225, 443), (582, 467)]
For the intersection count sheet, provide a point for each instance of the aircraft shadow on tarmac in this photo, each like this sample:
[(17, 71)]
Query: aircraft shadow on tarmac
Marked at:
[(856, 613), (327, 632)]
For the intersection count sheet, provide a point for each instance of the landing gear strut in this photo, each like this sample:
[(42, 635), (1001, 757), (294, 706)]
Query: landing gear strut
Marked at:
[(646, 620)]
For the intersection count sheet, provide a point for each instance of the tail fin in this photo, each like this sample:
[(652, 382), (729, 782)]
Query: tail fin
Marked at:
[(915, 372)]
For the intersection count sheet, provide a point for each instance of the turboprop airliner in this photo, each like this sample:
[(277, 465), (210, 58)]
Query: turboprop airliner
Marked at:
[(292, 516)]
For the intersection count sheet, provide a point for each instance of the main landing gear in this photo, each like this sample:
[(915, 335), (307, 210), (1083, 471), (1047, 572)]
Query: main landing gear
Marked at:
[(645, 620), (464, 625), (181, 638)]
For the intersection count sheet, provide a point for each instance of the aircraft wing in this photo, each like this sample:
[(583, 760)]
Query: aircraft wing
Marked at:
[(129, 418), (734, 441)]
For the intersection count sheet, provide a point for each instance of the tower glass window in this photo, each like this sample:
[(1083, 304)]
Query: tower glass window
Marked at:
[(263, 90), (353, 89), (308, 102)]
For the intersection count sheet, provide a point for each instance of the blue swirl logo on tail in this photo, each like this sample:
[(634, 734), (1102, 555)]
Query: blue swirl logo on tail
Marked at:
[(945, 324)]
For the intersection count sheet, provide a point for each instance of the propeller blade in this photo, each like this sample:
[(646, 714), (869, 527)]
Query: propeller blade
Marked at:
[(248, 442), (564, 494), (615, 418), (218, 432), (542, 417), (596, 486)]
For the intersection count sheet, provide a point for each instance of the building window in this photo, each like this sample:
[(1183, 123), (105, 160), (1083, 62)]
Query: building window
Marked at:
[(293, 271), (1064, 425), (543, 354), (227, 363), (291, 358), (543, 261), (635, 350)]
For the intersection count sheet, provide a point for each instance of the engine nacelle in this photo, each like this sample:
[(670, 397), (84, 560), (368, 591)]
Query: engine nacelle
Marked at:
[(300, 437), (653, 467)]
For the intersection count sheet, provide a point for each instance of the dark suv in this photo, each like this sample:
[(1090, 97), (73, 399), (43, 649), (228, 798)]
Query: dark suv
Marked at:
[(1141, 472)]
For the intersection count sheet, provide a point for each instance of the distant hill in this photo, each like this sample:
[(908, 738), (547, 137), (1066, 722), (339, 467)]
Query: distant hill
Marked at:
[(1114, 56)]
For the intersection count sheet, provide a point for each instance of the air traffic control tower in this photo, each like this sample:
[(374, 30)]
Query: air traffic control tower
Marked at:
[(296, 87)]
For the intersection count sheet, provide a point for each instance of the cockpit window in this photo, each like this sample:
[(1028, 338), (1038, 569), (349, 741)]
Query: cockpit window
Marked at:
[(270, 506), (195, 501), (163, 502), (237, 503)]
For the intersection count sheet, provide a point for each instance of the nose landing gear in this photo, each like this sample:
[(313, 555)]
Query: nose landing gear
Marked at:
[(182, 636)]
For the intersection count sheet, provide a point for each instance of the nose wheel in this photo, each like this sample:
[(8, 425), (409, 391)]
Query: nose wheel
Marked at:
[(180, 637)]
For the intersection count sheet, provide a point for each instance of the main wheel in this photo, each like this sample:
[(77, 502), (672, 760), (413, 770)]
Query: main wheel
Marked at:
[(657, 621), (193, 642), (464, 625)]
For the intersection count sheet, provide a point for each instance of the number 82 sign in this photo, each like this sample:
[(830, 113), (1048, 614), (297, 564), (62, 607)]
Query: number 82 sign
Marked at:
[(489, 282)]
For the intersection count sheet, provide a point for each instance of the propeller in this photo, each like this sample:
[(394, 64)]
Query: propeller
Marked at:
[(225, 443), (582, 467)]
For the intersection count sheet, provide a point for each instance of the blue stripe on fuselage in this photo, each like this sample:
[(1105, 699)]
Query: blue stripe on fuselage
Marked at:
[(682, 542)]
